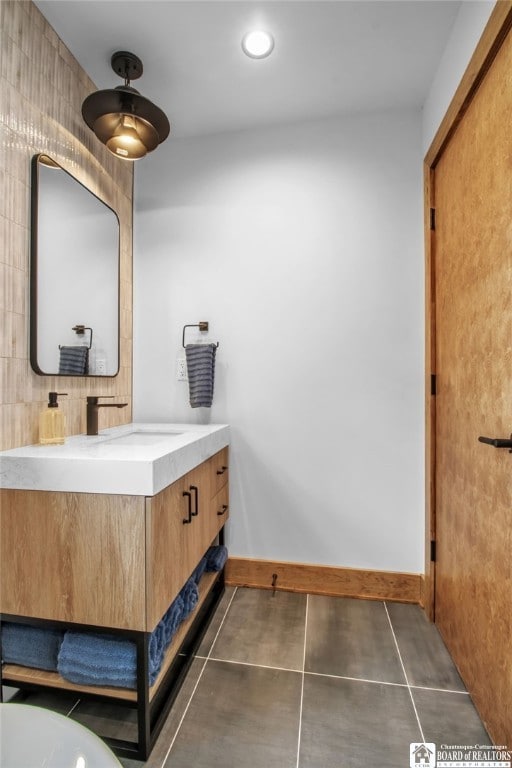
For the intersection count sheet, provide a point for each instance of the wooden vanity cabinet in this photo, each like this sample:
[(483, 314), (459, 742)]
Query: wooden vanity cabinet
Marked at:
[(181, 523), (111, 561), (219, 505)]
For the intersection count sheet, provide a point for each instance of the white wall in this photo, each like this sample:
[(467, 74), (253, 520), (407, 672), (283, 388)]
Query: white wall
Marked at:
[(302, 246), (467, 29)]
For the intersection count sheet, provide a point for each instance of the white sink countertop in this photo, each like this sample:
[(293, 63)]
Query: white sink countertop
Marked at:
[(135, 459)]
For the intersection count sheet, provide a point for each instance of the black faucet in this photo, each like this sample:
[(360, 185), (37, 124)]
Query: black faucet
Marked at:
[(92, 411)]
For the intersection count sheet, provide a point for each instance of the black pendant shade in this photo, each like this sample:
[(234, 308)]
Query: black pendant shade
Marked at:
[(127, 123)]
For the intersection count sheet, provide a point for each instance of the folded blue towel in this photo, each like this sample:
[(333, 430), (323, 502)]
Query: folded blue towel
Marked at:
[(216, 558), (190, 596), (74, 360), (89, 659), (201, 373), (92, 659), (199, 570), (30, 646)]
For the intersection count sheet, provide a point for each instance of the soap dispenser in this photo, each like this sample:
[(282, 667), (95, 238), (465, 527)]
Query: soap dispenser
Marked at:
[(51, 422)]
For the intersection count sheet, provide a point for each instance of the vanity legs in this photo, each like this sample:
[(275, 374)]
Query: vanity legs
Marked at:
[(152, 706)]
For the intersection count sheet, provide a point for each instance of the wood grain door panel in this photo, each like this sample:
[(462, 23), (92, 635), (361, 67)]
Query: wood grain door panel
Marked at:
[(473, 290), (76, 557)]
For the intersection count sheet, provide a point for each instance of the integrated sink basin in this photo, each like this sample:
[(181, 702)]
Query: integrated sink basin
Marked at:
[(138, 459), (141, 438)]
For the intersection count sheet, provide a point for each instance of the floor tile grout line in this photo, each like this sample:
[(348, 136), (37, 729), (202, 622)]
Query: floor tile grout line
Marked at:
[(438, 690), (334, 677), (75, 705), (184, 713), (357, 679), (221, 623), (198, 681), (405, 673), (302, 681), (250, 664)]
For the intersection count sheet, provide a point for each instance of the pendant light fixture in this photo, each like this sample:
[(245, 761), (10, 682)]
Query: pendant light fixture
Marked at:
[(127, 123)]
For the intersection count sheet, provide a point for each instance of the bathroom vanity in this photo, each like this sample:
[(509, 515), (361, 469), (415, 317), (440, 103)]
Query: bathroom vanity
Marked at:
[(101, 534)]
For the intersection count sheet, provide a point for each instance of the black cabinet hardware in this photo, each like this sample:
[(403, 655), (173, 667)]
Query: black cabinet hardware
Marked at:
[(196, 499), (223, 509), (189, 498), (221, 471), (497, 442)]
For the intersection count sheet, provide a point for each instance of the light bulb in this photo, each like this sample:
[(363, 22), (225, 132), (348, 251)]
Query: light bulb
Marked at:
[(132, 138), (257, 44)]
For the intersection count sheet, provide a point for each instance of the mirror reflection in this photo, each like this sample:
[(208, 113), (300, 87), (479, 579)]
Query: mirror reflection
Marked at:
[(74, 277)]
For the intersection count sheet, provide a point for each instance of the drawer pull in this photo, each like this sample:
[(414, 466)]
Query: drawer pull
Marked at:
[(196, 500), (221, 471), (223, 509), (189, 497)]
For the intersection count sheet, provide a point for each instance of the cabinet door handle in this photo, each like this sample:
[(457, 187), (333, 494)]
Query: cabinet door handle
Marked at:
[(196, 499), (189, 498), (221, 471), (223, 509)]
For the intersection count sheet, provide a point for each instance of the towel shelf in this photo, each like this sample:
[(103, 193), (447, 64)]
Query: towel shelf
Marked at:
[(203, 326), (129, 607), (152, 704)]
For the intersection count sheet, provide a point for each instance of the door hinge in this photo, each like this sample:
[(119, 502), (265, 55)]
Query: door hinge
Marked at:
[(433, 551), (432, 219), (433, 384)]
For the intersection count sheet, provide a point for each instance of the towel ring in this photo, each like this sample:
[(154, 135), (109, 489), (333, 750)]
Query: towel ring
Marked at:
[(203, 327), (80, 329)]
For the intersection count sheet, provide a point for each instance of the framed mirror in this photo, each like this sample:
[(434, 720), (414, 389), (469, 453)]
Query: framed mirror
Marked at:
[(74, 277)]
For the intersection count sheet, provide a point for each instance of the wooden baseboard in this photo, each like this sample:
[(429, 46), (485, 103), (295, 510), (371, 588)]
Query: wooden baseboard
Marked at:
[(324, 580), (425, 602)]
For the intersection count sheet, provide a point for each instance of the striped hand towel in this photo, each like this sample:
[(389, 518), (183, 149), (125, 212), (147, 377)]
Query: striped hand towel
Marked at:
[(74, 360), (201, 373)]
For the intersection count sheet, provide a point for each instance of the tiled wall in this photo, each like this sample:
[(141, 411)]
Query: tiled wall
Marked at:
[(42, 88)]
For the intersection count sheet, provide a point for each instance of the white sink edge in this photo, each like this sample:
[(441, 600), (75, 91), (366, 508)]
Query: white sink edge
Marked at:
[(95, 464)]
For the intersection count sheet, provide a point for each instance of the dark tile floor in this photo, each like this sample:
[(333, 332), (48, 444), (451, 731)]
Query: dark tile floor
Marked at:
[(303, 681)]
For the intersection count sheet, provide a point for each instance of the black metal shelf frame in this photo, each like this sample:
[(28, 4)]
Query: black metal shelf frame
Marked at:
[(150, 715)]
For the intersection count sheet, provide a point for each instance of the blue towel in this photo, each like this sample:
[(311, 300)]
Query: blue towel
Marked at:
[(190, 596), (201, 373), (93, 659), (90, 659), (163, 633), (199, 570), (30, 646), (216, 558), (74, 360)]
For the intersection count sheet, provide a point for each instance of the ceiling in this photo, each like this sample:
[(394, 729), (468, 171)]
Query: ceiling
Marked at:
[(330, 58)]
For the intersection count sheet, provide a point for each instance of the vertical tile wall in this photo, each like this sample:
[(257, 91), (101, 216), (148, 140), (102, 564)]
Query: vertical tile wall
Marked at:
[(42, 88)]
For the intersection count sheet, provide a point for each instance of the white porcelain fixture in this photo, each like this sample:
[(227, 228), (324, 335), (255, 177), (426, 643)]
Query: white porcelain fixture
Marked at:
[(258, 44), (39, 738), (135, 459)]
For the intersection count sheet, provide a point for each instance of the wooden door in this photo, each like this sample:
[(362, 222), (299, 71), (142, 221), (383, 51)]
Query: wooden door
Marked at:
[(473, 323)]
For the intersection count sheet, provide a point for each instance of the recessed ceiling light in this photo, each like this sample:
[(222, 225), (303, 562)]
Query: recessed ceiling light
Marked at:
[(257, 44)]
